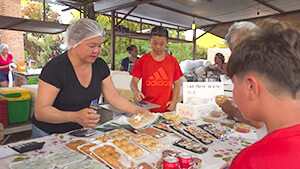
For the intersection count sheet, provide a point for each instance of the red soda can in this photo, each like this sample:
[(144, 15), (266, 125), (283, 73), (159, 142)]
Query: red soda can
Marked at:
[(186, 161), (171, 163)]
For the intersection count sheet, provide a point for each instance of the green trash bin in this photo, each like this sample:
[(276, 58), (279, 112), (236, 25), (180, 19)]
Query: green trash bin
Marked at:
[(18, 104)]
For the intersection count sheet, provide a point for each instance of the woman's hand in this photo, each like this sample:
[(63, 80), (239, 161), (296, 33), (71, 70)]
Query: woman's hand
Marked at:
[(138, 96), (87, 117), (171, 104), (140, 110)]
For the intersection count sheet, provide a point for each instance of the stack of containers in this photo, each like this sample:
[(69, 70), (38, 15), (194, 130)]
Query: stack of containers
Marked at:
[(3, 112), (18, 104)]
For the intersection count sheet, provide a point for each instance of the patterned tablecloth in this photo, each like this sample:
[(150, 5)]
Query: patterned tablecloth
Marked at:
[(218, 153)]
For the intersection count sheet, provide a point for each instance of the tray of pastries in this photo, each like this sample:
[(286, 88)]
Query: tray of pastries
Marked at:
[(216, 130), (131, 148), (85, 149), (148, 142), (199, 135), (152, 132), (120, 133), (141, 120), (179, 130), (113, 156), (74, 144), (191, 146), (163, 127), (241, 127), (103, 138), (172, 153)]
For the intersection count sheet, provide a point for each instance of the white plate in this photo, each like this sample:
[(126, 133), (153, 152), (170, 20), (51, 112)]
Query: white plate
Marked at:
[(124, 160), (65, 158), (35, 163)]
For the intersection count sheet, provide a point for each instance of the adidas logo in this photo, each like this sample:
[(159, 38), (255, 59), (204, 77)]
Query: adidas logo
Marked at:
[(159, 78)]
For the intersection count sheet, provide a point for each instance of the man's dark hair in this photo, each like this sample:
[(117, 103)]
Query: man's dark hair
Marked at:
[(159, 31), (272, 54), (130, 48)]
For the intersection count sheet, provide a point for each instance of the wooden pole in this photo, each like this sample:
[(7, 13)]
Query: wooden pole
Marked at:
[(113, 41), (194, 44)]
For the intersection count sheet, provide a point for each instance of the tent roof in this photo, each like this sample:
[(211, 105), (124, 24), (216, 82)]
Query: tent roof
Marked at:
[(214, 16)]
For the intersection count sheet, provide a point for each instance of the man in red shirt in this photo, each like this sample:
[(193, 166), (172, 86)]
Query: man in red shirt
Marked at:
[(159, 72), (265, 70)]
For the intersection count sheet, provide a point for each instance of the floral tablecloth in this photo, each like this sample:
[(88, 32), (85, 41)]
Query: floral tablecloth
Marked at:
[(217, 155)]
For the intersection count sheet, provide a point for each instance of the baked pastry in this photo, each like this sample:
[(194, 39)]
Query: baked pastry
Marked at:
[(124, 141), (123, 147), (108, 148), (113, 133), (116, 155), (243, 128), (117, 143), (75, 144), (86, 148), (145, 142), (131, 153), (138, 152), (121, 130), (130, 146), (220, 99)]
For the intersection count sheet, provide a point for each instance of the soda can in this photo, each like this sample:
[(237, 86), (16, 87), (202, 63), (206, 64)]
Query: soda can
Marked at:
[(171, 163), (186, 161)]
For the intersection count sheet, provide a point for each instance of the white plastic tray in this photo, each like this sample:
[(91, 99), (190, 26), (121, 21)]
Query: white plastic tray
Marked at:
[(124, 160), (155, 116), (65, 158), (36, 163), (90, 164)]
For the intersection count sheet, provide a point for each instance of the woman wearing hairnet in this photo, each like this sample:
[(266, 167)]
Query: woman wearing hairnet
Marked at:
[(5, 60), (71, 81)]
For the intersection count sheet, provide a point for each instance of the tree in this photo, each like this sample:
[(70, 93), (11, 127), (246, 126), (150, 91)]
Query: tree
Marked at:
[(39, 46)]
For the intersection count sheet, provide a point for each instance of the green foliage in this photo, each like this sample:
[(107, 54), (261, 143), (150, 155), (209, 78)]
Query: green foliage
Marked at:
[(34, 80)]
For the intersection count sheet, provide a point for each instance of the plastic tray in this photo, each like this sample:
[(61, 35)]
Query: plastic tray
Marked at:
[(125, 160), (193, 144), (36, 163), (89, 153), (104, 138), (65, 158), (141, 118), (153, 132), (180, 133), (76, 144), (148, 142), (163, 127), (91, 164), (221, 131), (120, 133), (145, 153), (204, 135)]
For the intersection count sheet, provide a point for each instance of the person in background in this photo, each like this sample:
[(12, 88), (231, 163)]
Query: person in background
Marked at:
[(5, 59), (130, 60), (265, 70), (220, 65), (159, 72), (69, 83), (236, 33)]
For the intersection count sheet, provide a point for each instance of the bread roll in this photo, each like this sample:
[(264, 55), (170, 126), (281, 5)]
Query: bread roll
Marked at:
[(117, 143), (138, 152)]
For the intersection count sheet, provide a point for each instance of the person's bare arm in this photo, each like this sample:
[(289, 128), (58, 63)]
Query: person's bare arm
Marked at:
[(232, 111), (137, 94), (172, 103), (121, 68), (115, 99), (44, 110)]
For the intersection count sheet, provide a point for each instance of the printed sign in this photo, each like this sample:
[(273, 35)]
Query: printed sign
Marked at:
[(205, 90)]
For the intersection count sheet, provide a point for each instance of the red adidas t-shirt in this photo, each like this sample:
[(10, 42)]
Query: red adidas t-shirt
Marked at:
[(157, 79), (279, 149), (5, 62)]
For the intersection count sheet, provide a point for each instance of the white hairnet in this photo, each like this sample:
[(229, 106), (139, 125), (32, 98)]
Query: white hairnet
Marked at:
[(81, 30), (3, 46)]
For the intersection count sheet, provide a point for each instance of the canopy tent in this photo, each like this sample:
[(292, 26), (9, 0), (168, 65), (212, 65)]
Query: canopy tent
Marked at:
[(214, 16)]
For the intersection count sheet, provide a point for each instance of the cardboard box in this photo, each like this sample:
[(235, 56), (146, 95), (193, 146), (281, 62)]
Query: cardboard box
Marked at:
[(194, 112)]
